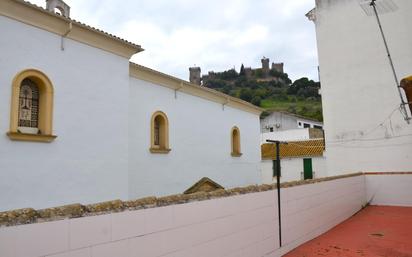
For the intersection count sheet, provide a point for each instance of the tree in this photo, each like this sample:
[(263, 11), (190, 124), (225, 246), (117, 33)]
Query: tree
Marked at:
[(256, 100), (304, 87), (242, 70), (226, 89), (286, 79), (246, 94)]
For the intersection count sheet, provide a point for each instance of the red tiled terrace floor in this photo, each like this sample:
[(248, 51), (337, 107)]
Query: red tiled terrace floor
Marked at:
[(375, 231)]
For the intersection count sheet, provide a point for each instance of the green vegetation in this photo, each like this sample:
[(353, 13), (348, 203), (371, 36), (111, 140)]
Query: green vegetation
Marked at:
[(307, 108), (273, 92)]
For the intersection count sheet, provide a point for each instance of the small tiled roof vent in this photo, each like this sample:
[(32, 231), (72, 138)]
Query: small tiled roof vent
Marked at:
[(203, 185), (59, 7)]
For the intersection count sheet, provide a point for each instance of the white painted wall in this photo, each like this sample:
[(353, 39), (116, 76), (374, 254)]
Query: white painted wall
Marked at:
[(283, 121), (95, 157), (286, 135), (88, 160), (292, 169), (200, 139), (389, 189), (364, 131), (244, 225)]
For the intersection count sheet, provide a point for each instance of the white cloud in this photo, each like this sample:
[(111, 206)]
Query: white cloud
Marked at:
[(215, 35), (253, 34)]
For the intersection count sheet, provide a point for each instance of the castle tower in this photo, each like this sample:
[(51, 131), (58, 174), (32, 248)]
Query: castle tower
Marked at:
[(277, 67), (62, 7), (265, 66), (194, 76)]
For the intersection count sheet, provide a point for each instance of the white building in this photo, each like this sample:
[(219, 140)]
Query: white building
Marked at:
[(80, 123), (299, 160), (292, 135), (361, 103), (288, 127), (280, 121)]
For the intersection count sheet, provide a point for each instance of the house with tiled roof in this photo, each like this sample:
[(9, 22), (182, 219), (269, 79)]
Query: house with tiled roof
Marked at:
[(303, 157), (299, 160)]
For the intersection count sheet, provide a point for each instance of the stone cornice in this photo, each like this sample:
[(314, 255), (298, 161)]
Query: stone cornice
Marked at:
[(156, 77)]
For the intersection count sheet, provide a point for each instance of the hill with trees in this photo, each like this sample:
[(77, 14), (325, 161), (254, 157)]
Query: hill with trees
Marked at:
[(273, 91)]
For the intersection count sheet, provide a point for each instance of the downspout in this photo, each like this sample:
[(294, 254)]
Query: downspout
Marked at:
[(225, 103), (65, 35), (178, 88)]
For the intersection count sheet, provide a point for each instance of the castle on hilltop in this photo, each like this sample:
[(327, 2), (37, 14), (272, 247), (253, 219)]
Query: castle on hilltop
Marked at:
[(267, 74)]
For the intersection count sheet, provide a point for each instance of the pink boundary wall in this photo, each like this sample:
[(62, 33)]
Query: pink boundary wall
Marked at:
[(389, 188), (236, 226)]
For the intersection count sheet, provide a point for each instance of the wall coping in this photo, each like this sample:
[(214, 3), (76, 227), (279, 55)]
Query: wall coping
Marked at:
[(389, 173), (77, 210)]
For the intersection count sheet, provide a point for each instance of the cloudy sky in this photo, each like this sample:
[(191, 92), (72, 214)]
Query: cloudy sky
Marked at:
[(214, 35)]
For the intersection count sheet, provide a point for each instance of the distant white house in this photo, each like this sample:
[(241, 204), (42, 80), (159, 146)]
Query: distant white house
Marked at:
[(304, 136), (281, 121), (292, 135), (298, 160), (365, 119)]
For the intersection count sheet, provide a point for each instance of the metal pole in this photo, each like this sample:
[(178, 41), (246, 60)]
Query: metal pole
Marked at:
[(403, 103), (278, 186)]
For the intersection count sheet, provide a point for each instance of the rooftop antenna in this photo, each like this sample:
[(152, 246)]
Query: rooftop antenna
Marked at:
[(385, 6)]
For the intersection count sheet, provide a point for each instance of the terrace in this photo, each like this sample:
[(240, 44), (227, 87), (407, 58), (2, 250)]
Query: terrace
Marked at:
[(374, 231), (238, 222)]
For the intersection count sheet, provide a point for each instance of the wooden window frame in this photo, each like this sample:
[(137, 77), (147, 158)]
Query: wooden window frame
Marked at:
[(235, 142), (163, 147), (45, 118)]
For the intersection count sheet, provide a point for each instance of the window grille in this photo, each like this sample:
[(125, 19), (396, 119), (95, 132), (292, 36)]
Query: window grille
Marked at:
[(157, 131), (28, 104)]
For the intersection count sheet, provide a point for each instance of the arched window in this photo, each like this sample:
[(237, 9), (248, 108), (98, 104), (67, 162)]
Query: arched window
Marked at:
[(28, 107), (31, 107), (235, 142), (159, 133)]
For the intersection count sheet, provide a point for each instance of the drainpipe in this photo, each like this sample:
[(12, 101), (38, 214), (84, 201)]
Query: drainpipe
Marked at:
[(65, 35), (178, 88), (225, 103)]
